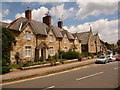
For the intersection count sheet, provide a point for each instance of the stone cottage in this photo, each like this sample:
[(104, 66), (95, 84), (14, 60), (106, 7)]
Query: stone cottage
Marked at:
[(91, 43), (87, 41), (36, 39)]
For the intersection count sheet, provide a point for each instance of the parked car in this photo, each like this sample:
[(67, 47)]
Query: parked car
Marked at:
[(118, 58), (102, 59), (111, 58)]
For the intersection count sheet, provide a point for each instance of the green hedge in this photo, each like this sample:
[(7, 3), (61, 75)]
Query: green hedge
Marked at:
[(7, 41), (69, 55)]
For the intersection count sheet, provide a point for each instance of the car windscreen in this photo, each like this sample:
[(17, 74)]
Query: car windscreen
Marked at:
[(101, 57)]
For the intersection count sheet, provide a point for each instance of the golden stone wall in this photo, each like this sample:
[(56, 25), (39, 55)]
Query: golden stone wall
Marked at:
[(22, 43)]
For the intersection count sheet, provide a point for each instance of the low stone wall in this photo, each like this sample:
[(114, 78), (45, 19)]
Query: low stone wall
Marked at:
[(48, 64), (45, 71)]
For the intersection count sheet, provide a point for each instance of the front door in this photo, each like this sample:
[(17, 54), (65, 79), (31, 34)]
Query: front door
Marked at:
[(43, 53)]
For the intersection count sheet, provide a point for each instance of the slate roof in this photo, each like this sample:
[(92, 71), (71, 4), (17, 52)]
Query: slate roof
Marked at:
[(83, 37), (39, 28), (15, 25), (70, 36), (56, 31), (76, 35), (3, 24)]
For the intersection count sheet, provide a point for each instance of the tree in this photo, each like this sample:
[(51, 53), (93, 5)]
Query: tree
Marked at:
[(118, 42), (109, 46), (7, 41)]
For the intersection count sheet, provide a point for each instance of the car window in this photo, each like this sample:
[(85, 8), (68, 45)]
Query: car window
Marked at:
[(102, 57)]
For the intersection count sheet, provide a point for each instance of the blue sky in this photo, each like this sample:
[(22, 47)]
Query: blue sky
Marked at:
[(76, 16)]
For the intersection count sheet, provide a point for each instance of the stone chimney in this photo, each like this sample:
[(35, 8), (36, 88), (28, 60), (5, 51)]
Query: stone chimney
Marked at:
[(28, 14), (47, 19), (60, 24)]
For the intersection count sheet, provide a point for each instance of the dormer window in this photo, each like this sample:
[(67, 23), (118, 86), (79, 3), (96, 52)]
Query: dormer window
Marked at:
[(65, 40), (28, 35), (51, 38)]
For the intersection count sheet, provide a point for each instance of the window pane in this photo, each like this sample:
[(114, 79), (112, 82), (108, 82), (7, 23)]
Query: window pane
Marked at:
[(51, 38), (65, 49), (28, 35), (51, 51), (28, 51)]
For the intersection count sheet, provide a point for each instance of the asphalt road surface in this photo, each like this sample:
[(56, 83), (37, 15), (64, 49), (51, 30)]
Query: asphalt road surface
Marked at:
[(92, 76)]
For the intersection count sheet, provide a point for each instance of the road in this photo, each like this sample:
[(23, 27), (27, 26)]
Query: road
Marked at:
[(92, 76)]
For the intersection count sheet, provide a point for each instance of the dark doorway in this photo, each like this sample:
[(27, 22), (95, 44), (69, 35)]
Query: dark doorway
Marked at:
[(43, 53)]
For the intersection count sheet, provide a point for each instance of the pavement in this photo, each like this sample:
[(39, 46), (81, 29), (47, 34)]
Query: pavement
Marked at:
[(25, 74), (102, 76)]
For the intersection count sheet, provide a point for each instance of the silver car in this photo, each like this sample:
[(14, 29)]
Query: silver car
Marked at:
[(102, 59), (111, 58)]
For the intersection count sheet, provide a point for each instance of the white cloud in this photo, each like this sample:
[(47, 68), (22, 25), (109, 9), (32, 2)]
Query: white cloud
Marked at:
[(37, 14), (7, 21), (60, 12), (95, 9), (108, 30), (5, 12), (19, 15)]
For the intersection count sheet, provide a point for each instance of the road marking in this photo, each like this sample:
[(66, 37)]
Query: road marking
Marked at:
[(48, 88), (117, 68), (38, 77), (90, 76)]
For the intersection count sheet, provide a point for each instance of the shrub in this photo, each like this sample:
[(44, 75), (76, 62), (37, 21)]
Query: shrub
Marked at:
[(15, 66), (85, 54), (36, 59), (7, 41), (92, 56), (5, 69), (98, 55), (41, 59), (29, 63), (70, 55)]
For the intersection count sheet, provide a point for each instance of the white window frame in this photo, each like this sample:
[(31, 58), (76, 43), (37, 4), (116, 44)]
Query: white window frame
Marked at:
[(28, 35), (51, 51), (65, 49), (28, 51), (65, 40), (51, 38)]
